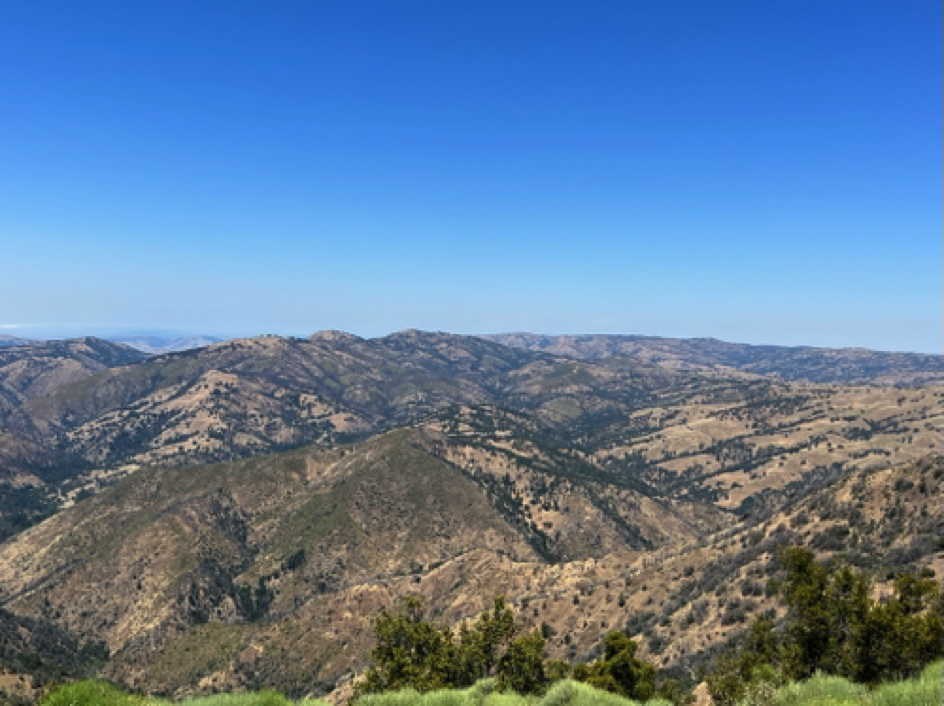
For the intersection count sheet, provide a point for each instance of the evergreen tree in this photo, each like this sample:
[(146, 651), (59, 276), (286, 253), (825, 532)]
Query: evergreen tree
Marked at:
[(835, 627), (482, 643), (410, 652), (522, 667), (620, 672)]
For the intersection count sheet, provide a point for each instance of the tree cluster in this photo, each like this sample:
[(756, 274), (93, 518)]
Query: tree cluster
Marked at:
[(412, 652), (834, 626)]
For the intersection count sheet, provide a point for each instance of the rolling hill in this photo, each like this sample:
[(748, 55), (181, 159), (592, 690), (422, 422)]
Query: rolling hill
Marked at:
[(797, 363), (80, 415), (267, 571), (27, 445), (233, 515)]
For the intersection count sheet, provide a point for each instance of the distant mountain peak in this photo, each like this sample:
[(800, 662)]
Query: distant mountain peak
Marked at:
[(156, 345), (7, 339), (334, 336)]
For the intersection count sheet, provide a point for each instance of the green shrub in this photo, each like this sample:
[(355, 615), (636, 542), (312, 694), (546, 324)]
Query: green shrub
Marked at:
[(620, 671), (571, 693), (835, 627), (574, 693), (402, 697), (479, 691), (508, 698), (411, 652), (521, 668), (822, 690), (245, 698), (91, 693), (446, 697), (483, 693), (926, 690)]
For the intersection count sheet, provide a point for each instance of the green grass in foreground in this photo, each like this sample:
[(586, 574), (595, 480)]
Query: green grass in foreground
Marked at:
[(94, 693), (565, 693), (927, 689)]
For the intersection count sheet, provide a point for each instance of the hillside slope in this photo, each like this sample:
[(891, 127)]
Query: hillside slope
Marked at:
[(267, 572), (43, 367), (246, 546), (680, 433), (254, 396), (800, 363), (28, 446)]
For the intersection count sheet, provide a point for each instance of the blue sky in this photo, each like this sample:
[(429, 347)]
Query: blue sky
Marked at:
[(755, 171)]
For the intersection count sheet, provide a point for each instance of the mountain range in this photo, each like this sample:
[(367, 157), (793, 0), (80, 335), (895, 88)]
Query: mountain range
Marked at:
[(150, 344), (267, 572), (234, 514), (7, 339), (155, 345), (797, 363)]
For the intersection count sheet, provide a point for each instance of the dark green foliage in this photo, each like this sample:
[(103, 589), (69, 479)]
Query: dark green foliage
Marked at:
[(522, 668), (672, 690), (835, 627), (21, 508), (481, 643), (729, 682), (46, 652), (557, 670), (620, 672), (295, 561), (898, 638), (412, 653), (253, 604)]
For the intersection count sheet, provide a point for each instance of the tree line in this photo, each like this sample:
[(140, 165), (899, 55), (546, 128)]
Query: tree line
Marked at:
[(412, 652), (833, 625)]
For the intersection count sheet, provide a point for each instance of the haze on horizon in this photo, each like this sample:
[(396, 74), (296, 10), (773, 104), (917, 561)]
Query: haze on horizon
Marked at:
[(754, 172)]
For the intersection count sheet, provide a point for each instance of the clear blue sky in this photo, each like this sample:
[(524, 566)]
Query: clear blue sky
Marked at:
[(756, 171)]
